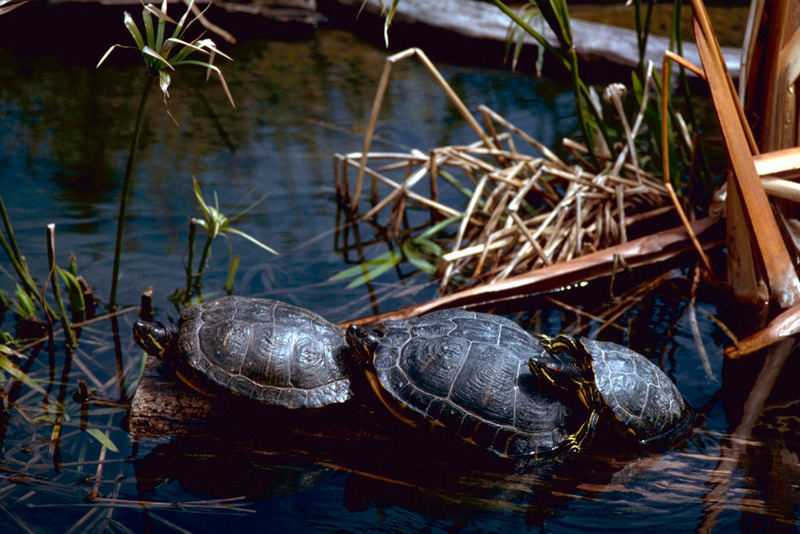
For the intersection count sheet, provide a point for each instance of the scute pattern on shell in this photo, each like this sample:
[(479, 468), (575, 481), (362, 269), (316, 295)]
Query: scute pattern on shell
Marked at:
[(266, 350), (468, 372), (641, 396)]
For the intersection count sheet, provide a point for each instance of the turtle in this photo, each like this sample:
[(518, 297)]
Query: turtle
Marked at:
[(615, 382), (466, 372), (266, 350)]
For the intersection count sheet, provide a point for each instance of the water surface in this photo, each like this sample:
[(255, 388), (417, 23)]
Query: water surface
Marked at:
[(64, 138)]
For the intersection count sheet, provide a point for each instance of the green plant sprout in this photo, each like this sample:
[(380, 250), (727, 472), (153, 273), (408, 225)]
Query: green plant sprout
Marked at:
[(215, 224), (161, 56)]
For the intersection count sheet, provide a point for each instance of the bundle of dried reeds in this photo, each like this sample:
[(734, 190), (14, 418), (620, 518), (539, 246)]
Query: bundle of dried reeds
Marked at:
[(520, 207)]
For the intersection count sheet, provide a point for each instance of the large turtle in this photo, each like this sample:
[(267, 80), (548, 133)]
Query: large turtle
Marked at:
[(466, 372), (270, 351), (614, 381)]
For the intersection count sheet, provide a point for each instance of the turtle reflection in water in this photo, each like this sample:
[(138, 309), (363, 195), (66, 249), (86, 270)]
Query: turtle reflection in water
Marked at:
[(466, 372), (266, 350), (617, 383)]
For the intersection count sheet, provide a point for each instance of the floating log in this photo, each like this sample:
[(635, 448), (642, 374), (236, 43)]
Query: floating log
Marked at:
[(163, 406), (234, 452)]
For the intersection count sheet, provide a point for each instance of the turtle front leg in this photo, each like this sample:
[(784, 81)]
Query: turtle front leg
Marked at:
[(581, 439)]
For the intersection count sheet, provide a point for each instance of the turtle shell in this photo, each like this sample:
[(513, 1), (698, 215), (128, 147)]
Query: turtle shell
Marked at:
[(266, 350), (639, 394), (468, 372)]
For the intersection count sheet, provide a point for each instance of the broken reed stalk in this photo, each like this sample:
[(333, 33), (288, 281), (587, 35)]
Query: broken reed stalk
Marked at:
[(666, 71), (376, 108)]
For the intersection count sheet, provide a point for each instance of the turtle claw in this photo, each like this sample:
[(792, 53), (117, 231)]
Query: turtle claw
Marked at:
[(572, 445), (581, 439)]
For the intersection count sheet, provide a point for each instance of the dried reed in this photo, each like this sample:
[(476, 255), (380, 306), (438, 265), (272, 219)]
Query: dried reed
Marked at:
[(523, 208)]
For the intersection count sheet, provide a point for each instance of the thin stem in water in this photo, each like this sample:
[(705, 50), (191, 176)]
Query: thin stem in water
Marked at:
[(51, 259), (126, 185)]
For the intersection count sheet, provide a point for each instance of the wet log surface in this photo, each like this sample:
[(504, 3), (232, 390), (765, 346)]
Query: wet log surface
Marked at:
[(163, 406), (483, 21), (298, 11)]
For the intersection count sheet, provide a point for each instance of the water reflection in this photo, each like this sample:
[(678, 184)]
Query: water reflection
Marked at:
[(297, 105)]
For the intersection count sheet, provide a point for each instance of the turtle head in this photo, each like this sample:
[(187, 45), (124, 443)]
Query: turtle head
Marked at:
[(155, 338), (363, 341)]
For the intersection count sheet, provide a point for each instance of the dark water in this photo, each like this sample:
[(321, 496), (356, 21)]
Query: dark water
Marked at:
[(63, 142)]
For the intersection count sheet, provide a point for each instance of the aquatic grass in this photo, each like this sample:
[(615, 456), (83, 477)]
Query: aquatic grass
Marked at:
[(24, 304), (51, 260), (7, 365), (515, 37), (161, 55), (76, 296), (556, 14), (28, 291), (215, 223), (421, 251), (643, 27)]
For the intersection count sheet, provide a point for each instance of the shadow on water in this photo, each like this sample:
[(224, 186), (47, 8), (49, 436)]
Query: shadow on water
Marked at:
[(64, 134)]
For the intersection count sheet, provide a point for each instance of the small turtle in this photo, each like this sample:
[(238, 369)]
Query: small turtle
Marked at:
[(270, 351), (466, 372), (609, 378)]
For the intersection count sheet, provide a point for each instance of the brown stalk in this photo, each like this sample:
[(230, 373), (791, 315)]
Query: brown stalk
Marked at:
[(665, 158), (647, 250), (779, 164), (447, 211), (772, 255), (489, 114), (781, 327), (376, 107)]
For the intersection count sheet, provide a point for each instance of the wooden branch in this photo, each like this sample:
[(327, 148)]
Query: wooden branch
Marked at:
[(654, 248), (163, 406)]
